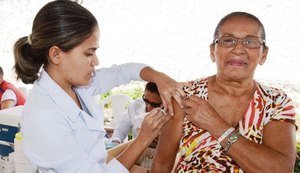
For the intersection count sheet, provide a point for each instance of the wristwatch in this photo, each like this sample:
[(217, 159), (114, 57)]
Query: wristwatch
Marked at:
[(233, 137)]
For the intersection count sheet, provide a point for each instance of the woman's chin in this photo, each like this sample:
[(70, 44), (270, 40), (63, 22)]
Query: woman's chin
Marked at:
[(84, 83)]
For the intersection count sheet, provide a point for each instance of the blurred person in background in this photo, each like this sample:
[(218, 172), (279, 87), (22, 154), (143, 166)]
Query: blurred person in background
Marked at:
[(132, 120), (135, 113), (10, 96)]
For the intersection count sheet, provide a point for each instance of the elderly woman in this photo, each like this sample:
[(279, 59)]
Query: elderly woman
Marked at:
[(230, 122)]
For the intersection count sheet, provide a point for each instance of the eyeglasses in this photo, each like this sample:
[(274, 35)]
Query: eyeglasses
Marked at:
[(250, 42), (152, 104)]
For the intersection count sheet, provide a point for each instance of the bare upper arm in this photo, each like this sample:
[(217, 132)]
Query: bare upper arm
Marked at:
[(169, 141), (281, 137), (7, 104)]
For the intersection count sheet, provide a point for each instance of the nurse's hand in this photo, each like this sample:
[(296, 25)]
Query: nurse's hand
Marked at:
[(152, 124), (168, 89), (150, 128)]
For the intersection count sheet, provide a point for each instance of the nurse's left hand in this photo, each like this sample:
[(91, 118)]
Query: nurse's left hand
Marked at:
[(168, 89), (152, 124)]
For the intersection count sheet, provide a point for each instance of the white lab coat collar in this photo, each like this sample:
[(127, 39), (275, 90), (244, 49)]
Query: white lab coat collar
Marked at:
[(67, 105)]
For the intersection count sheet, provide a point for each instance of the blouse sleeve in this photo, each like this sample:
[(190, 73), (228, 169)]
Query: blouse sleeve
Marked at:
[(9, 95), (106, 79), (281, 107)]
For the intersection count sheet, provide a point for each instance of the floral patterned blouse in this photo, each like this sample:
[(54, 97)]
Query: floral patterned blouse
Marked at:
[(200, 152)]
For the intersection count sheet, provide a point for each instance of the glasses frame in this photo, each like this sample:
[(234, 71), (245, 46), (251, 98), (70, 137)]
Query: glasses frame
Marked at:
[(152, 104), (237, 40)]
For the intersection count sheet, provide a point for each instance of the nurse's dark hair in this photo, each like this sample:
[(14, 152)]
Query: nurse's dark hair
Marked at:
[(237, 14), (61, 23)]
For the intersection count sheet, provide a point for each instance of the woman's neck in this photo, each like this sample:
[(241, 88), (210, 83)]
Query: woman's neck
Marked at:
[(234, 88)]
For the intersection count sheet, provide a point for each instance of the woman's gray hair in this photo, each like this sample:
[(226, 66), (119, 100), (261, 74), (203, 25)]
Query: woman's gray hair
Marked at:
[(238, 13)]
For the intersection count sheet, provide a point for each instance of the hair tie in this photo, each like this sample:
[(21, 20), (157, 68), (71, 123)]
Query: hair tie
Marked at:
[(29, 40)]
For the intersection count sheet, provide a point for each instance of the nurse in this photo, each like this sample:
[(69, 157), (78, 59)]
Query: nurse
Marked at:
[(61, 124)]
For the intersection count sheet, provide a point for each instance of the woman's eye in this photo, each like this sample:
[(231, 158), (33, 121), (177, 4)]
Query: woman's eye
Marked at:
[(89, 54), (228, 40)]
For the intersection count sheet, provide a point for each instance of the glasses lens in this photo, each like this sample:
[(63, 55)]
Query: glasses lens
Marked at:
[(231, 41), (152, 104), (227, 41), (251, 42), (155, 105)]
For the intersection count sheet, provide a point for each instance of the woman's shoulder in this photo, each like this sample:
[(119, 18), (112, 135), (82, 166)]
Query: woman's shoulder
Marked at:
[(196, 87), (275, 96), (271, 92), (199, 81), (278, 105)]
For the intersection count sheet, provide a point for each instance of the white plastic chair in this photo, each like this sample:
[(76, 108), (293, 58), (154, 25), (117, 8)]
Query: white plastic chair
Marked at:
[(119, 103)]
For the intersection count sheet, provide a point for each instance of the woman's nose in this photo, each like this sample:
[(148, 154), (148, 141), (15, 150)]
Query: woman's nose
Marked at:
[(95, 61), (239, 47)]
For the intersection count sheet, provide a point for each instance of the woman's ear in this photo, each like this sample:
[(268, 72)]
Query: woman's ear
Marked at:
[(54, 54), (212, 52), (264, 55)]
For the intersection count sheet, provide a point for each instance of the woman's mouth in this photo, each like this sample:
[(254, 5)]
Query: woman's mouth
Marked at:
[(236, 62)]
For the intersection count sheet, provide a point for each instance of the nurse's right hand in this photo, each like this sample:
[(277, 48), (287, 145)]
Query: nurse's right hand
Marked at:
[(153, 123)]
